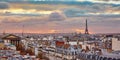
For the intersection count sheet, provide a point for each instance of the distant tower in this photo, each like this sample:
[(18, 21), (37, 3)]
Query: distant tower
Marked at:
[(4, 32), (86, 29), (22, 30)]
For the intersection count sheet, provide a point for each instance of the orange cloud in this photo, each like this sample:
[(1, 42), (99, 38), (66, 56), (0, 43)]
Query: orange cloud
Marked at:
[(79, 30), (41, 31), (52, 31)]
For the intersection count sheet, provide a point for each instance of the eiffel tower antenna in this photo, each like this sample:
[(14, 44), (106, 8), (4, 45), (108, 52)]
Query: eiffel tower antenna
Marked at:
[(86, 28)]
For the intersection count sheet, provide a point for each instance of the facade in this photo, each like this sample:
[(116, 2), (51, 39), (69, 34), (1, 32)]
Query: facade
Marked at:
[(67, 51), (12, 39), (116, 44)]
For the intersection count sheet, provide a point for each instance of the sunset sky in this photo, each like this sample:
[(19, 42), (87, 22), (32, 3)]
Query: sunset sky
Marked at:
[(59, 16)]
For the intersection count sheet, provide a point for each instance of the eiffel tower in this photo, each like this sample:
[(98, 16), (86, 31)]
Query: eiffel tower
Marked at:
[(86, 29)]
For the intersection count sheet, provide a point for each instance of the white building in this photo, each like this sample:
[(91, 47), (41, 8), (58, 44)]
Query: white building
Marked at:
[(116, 44)]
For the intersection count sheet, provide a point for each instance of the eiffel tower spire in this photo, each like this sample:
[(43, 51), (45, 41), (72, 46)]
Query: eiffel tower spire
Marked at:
[(86, 29)]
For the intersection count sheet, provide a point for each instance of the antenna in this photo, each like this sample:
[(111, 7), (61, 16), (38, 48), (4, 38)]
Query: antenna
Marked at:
[(4, 32), (22, 30)]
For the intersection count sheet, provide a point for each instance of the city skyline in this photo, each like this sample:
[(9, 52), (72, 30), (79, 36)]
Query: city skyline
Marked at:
[(53, 16)]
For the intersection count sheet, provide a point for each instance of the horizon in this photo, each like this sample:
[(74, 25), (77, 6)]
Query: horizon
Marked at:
[(60, 33), (59, 16)]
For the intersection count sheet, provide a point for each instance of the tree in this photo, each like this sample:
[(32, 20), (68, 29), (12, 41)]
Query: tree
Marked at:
[(42, 56), (30, 52)]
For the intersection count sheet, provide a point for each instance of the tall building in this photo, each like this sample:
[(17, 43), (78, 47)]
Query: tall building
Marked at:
[(86, 28)]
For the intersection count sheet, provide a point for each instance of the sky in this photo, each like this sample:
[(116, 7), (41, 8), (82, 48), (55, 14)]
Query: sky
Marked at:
[(59, 16)]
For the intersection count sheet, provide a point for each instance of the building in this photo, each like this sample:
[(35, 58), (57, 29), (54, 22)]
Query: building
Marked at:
[(67, 51), (116, 44), (11, 39), (1, 44)]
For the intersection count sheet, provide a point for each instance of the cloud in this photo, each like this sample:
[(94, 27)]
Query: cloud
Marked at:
[(74, 2), (102, 1), (56, 16), (41, 24), (95, 9), (70, 9), (60, 16), (106, 0), (33, 20), (74, 12), (4, 5)]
